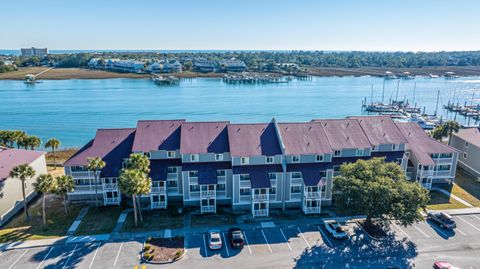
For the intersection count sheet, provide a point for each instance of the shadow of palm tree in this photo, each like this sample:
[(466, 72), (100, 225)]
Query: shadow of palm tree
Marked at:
[(64, 256)]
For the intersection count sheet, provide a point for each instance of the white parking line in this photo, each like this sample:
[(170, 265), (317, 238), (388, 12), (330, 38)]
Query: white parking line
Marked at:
[(460, 231), (69, 256), (19, 257), (422, 232), (44, 258), (266, 241), (398, 227), (94, 255), (476, 217), (246, 241), (303, 237), (205, 245), (226, 244), (118, 254), (286, 241), (328, 240), (467, 222)]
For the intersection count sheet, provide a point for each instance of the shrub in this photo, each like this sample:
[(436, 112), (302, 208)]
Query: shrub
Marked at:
[(147, 247)]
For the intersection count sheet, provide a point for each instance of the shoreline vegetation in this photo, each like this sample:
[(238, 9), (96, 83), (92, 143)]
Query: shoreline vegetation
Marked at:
[(83, 73)]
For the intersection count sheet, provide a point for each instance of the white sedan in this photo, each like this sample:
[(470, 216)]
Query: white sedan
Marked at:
[(214, 240), (335, 229)]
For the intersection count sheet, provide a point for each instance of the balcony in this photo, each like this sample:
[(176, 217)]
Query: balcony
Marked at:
[(443, 160), (110, 186), (157, 189), (260, 213), (296, 181), (311, 210), (208, 209), (313, 195), (111, 201), (295, 196), (425, 173), (245, 184), (221, 179), (86, 188), (172, 176), (208, 193), (260, 197), (156, 205), (442, 173), (245, 199)]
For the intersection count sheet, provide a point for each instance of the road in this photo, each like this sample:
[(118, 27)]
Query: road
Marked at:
[(279, 247)]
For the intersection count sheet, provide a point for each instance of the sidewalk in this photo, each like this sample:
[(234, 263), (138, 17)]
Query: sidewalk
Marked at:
[(453, 196)]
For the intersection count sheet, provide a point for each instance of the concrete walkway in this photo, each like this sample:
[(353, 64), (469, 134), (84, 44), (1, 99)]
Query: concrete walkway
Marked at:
[(74, 227), (460, 200), (121, 220)]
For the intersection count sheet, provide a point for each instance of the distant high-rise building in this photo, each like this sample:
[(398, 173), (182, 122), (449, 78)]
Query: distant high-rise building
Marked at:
[(34, 52)]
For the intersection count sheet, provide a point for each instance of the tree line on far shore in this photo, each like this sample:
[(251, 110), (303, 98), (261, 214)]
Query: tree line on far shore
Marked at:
[(258, 60)]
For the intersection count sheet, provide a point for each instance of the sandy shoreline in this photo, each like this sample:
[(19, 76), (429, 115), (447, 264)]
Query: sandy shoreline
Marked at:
[(79, 73)]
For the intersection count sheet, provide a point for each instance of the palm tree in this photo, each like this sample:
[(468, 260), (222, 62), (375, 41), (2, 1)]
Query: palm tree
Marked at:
[(134, 182), (53, 143), (437, 133), (449, 127), (95, 164), (33, 142), (19, 136), (23, 172), (7, 138), (45, 184), (65, 184), (142, 163)]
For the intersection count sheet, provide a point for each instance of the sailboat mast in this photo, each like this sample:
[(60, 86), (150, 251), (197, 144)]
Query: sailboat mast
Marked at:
[(383, 92), (371, 96), (414, 88), (396, 95), (436, 107)]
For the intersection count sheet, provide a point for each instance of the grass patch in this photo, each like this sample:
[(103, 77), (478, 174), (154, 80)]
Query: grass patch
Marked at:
[(58, 171), (465, 187), (440, 201), (99, 220), (154, 220), (219, 219), (20, 229), (61, 155)]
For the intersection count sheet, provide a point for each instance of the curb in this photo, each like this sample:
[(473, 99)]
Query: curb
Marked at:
[(165, 262)]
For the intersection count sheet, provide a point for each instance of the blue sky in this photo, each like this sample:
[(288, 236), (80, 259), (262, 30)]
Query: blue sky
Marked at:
[(388, 25)]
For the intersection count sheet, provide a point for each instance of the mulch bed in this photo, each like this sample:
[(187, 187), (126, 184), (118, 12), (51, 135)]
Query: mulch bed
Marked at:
[(164, 249)]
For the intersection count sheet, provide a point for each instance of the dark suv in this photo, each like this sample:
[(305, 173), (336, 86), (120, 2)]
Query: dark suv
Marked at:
[(444, 220), (236, 238)]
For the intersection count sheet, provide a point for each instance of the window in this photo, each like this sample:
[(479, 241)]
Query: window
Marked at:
[(194, 188), (78, 168), (465, 155), (220, 187), (445, 167), (359, 152), (244, 176), (194, 157), (82, 182), (295, 189), (324, 190), (337, 153), (245, 191), (336, 168), (269, 159), (193, 174), (395, 147), (272, 175), (244, 160), (295, 158), (220, 173), (434, 156), (323, 174), (319, 158), (446, 155), (272, 190), (172, 169), (466, 144), (296, 175), (170, 154), (218, 157), (172, 183)]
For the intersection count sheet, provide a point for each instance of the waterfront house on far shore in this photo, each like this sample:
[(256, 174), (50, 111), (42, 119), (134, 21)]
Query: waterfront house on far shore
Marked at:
[(11, 200), (28, 52), (429, 161), (467, 142), (168, 66), (255, 167), (203, 65), (232, 65)]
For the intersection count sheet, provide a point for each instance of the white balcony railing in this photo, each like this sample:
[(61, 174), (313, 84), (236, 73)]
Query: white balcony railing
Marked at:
[(111, 201), (208, 194), (110, 186), (260, 197), (172, 176), (208, 209), (221, 179), (313, 195), (245, 184), (260, 212), (443, 160), (162, 204), (296, 181), (311, 210), (157, 189), (295, 196), (245, 198), (442, 173), (193, 180), (426, 173)]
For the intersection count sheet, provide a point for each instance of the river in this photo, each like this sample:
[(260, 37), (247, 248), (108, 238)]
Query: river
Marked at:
[(71, 110)]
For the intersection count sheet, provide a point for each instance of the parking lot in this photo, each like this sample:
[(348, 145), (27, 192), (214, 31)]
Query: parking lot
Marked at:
[(301, 246)]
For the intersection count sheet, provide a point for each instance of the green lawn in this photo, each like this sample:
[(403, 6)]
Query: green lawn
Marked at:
[(440, 201), (221, 218), (465, 187), (99, 220), (154, 220), (19, 229)]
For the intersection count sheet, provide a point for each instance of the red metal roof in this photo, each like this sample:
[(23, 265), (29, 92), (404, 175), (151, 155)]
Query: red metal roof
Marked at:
[(9, 158), (344, 134), (470, 135), (258, 139), (157, 135), (204, 137), (380, 130), (304, 138)]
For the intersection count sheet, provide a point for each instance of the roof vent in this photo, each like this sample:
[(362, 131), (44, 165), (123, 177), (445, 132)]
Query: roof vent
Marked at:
[(384, 134), (191, 128), (238, 130), (325, 124), (148, 125), (348, 123), (348, 138), (409, 133), (286, 128), (308, 144), (361, 121), (310, 128), (381, 120)]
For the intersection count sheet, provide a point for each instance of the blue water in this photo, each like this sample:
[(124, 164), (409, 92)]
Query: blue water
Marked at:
[(71, 110)]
